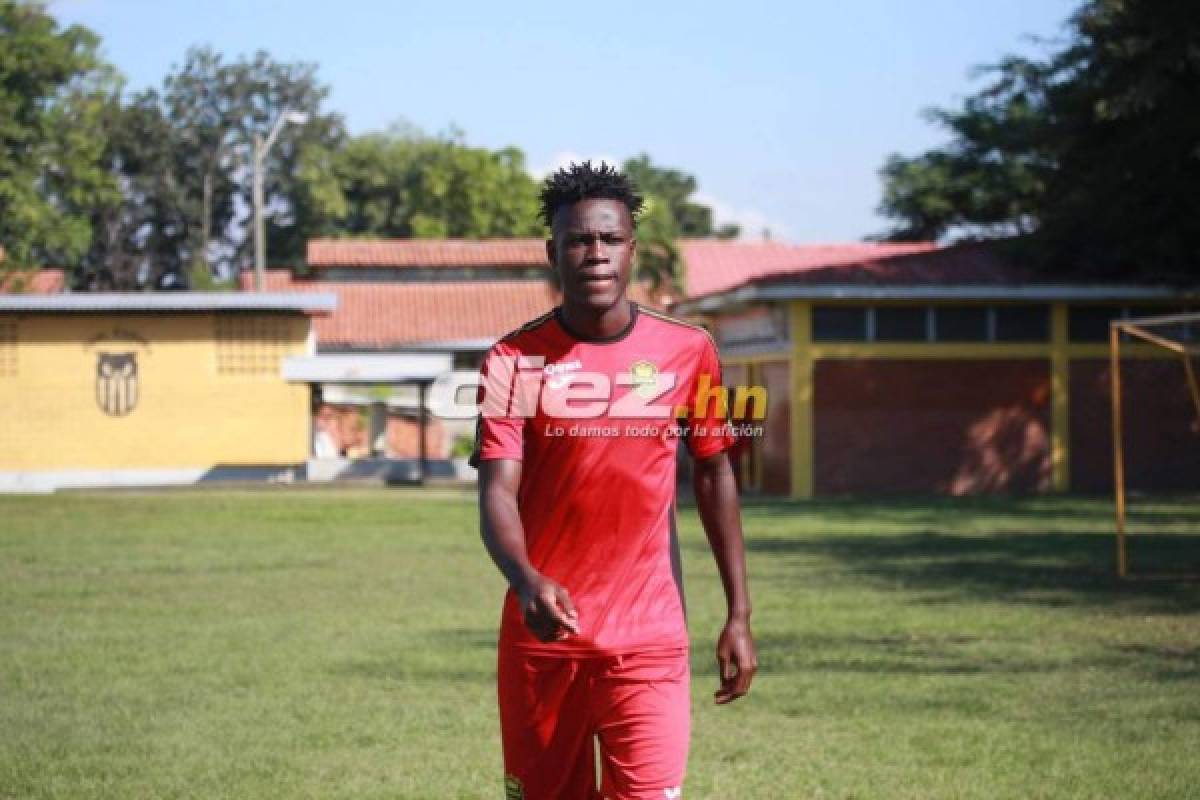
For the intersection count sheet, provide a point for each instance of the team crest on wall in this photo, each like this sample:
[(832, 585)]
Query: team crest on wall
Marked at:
[(117, 382)]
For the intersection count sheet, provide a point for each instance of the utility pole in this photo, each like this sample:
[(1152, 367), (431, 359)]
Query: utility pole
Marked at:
[(261, 148)]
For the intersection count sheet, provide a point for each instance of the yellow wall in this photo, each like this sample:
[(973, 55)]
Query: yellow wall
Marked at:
[(199, 404)]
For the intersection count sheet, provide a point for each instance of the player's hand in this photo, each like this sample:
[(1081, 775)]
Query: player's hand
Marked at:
[(547, 609), (736, 661)]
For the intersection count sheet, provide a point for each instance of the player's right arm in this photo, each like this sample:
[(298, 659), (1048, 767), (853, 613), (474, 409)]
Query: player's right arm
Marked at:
[(546, 606)]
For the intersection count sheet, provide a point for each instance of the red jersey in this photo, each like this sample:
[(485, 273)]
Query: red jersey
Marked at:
[(594, 423)]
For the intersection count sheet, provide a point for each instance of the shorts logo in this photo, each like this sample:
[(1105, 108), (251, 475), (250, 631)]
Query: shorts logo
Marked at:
[(674, 793), (513, 790), (645, 378)]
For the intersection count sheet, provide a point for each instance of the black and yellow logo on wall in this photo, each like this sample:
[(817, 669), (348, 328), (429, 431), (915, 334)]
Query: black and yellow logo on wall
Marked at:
[(117, 382)]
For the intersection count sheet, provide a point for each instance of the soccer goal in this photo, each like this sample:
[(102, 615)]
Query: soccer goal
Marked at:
[(1179, 333)]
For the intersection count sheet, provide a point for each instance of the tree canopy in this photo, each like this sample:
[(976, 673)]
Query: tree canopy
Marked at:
[(1090, 154), (407, 184), (54, 95), (153, 188)]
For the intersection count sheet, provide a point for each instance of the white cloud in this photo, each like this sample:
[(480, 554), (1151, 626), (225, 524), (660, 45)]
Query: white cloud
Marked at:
[(565, 157), (751, 221)]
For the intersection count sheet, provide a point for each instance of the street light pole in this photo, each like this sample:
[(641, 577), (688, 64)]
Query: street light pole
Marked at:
[(261, 148)]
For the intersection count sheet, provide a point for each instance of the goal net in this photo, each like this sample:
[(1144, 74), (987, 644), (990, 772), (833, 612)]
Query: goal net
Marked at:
[(1178, 333)]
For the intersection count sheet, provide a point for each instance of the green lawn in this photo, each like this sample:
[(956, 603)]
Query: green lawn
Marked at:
[(310, 644)]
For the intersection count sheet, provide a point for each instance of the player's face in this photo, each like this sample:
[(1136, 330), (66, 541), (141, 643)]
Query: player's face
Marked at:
[(592, 251)]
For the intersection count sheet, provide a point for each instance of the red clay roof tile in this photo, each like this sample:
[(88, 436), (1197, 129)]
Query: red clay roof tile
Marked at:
[(519, 253)]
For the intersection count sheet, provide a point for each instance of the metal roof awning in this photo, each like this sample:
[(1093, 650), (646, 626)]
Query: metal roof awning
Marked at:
[(954, 292), (82, 302), (356, 368)]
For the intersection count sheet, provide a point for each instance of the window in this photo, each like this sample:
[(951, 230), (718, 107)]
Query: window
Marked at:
[(8, 349), (948, 323), (1090, 323), (1187, 332), (839, 324), (901, 324), (251, 345), (1022, 323), (961, 324)]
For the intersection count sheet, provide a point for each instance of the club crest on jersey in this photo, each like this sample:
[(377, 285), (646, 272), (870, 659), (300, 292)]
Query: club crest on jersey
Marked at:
[(645, 378), (513, 790)]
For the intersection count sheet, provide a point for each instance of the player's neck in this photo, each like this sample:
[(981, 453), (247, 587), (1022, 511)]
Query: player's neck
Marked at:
[(593, 324)]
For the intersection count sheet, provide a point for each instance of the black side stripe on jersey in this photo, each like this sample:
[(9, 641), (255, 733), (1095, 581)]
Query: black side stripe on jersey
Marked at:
[(676, 321), (536, 322)]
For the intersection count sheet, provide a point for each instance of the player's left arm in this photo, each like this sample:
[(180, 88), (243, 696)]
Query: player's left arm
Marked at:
[(720, 512)]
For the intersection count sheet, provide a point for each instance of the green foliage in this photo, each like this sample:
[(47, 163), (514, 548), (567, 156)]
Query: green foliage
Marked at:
[(183, 157), (463, 446), (669, 215), (407, 184), (151, 189), (54, 95), (658, 258), (1094, 150), (675, 188)]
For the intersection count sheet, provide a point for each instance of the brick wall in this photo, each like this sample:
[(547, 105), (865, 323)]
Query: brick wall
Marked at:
[(1162, 442), (955, 427)]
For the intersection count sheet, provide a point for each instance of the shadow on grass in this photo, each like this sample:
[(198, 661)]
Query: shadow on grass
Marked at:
[(953, 655), (404, 670), (473, 662), (1052, 569), (938, 512)]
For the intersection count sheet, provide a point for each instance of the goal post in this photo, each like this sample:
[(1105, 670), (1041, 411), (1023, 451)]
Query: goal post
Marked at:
[(1179, 333)]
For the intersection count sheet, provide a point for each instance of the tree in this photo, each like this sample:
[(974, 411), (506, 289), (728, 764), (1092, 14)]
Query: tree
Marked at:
[(406, 184), (674, 189), (141, 235), (1092, 152), (658, 258), (215, 110), (669, 214), (54, 94)]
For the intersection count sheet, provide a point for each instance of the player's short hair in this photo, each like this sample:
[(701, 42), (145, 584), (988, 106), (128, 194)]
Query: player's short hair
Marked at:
[(577, 182)]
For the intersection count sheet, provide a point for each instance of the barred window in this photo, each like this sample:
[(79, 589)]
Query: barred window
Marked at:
[(961, 324), (1022, 323), (1090, 323), (251, 344), (901, 324), (8, 348), (839, 324)]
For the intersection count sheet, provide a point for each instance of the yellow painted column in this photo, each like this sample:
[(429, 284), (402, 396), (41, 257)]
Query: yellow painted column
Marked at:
[(802, 400), (1060, 409)]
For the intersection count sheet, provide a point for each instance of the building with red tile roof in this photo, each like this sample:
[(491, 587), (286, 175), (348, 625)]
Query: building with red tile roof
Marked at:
[(716, 265), (429, 253), (41, 281), (454, 314)]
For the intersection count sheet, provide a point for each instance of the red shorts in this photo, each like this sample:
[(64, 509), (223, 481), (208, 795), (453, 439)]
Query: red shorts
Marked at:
[(637, 706)]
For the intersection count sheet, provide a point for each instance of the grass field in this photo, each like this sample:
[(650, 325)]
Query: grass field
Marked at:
[(340, 644)]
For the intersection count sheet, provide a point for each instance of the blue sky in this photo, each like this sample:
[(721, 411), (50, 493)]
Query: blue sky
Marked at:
[(784, 111)]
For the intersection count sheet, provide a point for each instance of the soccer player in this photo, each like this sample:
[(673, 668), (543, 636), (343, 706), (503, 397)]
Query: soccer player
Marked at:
[(576, 453)]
